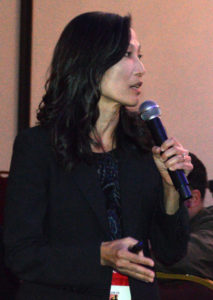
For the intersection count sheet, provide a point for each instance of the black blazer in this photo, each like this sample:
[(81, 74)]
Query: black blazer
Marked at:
[(56, 220)]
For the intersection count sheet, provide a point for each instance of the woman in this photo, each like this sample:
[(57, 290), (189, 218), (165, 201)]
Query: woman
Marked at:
[(84, 187)]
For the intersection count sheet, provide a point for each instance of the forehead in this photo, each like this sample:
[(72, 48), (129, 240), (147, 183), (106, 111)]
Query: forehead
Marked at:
[(134, 40)]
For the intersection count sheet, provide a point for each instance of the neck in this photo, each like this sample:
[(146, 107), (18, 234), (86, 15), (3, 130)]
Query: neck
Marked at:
[(106, 124)]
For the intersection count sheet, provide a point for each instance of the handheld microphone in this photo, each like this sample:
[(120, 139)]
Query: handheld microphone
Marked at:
[(150, 113)]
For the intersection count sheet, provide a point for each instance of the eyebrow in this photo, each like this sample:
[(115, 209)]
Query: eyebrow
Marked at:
[(139, 46)]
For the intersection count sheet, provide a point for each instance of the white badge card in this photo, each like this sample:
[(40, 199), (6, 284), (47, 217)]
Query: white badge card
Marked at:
[(119, 287), (119, 292)]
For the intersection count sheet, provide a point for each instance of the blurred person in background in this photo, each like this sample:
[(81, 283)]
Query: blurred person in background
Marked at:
[(199, 258)]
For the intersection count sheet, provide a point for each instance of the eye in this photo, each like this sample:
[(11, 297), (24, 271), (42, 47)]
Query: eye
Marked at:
[(128, 54)]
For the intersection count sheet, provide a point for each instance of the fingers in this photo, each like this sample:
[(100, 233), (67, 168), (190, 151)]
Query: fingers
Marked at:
[(147, 277), (169, 143), (124, 255), (121, 252), (117, 255), (179, 162), (138, 272), (173, 155), (135, 266)]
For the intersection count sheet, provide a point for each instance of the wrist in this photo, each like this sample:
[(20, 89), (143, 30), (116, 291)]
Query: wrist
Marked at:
[(103, 253), (171, 198)]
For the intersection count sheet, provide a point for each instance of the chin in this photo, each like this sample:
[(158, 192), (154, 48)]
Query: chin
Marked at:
[(133, 103), (134, 106)]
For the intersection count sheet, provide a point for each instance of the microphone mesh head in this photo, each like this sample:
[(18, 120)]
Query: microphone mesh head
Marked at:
[(149, 110)]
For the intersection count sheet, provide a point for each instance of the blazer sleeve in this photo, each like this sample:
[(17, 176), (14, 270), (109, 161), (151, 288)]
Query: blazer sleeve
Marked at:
[(28, 252), (169, 233)]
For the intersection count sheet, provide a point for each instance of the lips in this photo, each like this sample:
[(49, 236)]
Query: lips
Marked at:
[(136, 85)]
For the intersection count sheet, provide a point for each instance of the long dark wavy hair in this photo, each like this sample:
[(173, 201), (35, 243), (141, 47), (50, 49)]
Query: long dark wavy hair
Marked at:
[(89, 45)]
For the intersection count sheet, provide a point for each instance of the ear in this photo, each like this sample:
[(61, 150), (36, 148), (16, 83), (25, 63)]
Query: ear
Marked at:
[(196, 198)]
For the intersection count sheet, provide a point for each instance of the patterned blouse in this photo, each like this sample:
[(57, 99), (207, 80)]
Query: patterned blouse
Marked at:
[(108, 175)]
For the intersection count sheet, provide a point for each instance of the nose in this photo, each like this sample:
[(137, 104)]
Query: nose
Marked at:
[(140, 69)]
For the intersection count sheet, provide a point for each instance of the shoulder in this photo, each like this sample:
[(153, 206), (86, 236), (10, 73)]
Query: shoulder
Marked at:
[(203, 220), (209, 209), (34, 140), (34, 133), (207, 214)]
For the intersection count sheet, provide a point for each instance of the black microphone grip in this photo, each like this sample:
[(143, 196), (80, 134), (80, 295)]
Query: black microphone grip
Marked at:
[(178, 177)]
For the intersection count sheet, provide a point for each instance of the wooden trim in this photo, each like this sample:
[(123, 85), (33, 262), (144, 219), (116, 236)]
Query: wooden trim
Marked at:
[(25, 47), (206, 282)]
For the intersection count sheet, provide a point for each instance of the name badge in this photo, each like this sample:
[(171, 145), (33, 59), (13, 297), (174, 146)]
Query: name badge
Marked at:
[(119, 287)]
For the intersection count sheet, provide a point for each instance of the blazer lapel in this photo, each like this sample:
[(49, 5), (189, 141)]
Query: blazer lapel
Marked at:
[(131, 191), (87, 180)]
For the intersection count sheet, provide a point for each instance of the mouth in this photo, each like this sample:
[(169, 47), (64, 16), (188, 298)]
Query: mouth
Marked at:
[(136, 86)]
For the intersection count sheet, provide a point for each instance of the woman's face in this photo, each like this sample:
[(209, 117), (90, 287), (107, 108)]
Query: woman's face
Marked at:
[(122, 83)]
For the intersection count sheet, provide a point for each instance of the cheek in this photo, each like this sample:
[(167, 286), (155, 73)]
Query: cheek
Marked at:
[(122, 71), (109, 80), (116, 78)]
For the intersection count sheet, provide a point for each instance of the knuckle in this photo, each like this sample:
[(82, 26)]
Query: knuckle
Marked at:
[(167, 164), (138, 269), (172, 139), (119, 263), (163, 156), (119, 254), (128, 239)]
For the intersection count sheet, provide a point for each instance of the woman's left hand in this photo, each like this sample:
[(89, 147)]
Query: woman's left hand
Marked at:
[(171, 155)]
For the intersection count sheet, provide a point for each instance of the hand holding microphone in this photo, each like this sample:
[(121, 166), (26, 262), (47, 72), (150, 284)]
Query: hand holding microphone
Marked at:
[(173, 155)]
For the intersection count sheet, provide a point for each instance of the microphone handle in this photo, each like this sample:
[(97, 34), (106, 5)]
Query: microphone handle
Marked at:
[(178, 177)]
